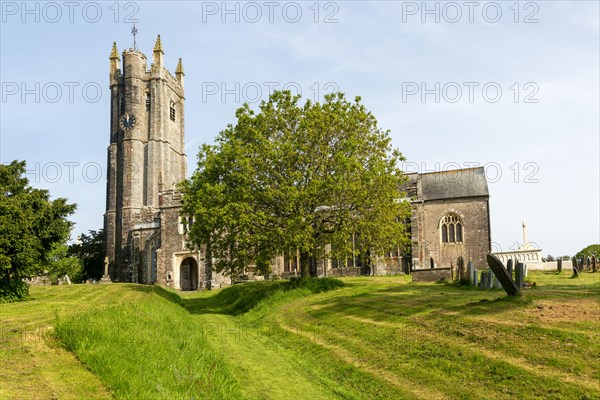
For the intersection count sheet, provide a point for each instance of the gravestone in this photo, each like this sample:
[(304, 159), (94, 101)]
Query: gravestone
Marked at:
[(575, 267), (475, 275), (525, 270), (502, 274), (519, 275), (594, 264), (588, 263), (487, 283), (559, 265), (509, 267), (471, 273), (462, 271), (485, 275)]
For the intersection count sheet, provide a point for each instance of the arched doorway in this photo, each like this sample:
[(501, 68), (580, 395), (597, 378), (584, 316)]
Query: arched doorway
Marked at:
[(188, 274)]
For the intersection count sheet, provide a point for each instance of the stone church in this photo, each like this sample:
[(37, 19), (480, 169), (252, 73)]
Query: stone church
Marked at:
[(146, 237)]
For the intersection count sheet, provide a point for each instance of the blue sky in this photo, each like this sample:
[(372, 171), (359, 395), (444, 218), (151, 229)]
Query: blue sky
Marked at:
[(512, 86)]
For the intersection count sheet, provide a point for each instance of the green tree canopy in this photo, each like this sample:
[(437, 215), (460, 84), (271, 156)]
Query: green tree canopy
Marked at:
[(296, 177), (31, 226), (60, 263), (589, 251), (90, 250)]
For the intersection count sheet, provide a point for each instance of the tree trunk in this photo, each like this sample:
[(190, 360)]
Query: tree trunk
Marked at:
[(305, 264)]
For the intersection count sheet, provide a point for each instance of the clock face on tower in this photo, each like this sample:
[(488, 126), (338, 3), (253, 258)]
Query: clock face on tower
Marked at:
[(127, 122)]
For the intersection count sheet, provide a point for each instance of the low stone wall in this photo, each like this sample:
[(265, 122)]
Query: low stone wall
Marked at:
[(431, 274), (549, 265)]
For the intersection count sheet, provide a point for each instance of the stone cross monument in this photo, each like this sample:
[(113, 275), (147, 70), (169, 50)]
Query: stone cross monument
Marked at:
[(105, 277)]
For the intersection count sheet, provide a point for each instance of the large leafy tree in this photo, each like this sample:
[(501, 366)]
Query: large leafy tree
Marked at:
[(294, 176), (31, 226), (90, 250), (589, 251)]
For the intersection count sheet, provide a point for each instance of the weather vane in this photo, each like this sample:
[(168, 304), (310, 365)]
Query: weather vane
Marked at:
[(134, 32)]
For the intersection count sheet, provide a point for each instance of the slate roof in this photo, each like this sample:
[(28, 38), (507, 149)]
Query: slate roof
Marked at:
[(458, 183)]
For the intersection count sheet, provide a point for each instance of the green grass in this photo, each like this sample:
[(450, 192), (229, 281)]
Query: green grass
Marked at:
[(32, 363), (376, 337), (148, 349)]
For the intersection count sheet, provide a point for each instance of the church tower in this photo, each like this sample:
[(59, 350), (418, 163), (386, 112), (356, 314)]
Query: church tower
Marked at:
[(145, 157)]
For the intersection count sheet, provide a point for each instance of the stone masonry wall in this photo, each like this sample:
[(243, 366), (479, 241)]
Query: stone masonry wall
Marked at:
[(474, 214)]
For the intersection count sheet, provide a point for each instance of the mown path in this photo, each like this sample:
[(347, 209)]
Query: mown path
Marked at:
[(263, 369)]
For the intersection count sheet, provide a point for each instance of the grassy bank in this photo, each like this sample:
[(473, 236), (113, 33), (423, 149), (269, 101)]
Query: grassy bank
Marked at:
[(376, 337), (148, 349)]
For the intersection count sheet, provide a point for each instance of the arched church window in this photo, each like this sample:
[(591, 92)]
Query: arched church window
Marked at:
[(451, 229)]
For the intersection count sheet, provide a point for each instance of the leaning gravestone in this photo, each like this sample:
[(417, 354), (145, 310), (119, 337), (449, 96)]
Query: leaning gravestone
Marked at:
[(559, 265), (509, 267), (519, 275), (594, 264), (502, 274), (575, 267)]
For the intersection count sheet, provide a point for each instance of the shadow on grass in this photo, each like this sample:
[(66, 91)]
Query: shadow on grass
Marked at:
[(406, 301), (379, 301), (239, 299)]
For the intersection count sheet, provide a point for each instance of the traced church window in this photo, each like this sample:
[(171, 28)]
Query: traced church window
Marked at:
[(451, 229)]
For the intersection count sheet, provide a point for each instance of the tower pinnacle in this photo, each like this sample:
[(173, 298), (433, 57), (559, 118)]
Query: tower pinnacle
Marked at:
[(179, 69), (114, 54), (179, 74), (158, 45)]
